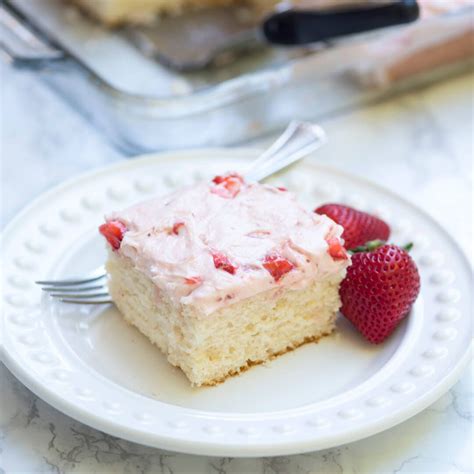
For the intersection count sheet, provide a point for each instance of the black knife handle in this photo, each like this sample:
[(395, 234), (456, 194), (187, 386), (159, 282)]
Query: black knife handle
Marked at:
[(293, 27)]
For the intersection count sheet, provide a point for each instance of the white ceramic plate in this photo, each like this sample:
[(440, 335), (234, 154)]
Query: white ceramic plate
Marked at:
[(89, 364)]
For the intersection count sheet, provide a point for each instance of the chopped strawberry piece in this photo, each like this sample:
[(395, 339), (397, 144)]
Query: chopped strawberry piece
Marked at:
[(221, 179), (176, 227), (282, 188), (218, 179), (113, 231), (336, 249), (196, 280), (223, 263), (227, 186), (277, 266)]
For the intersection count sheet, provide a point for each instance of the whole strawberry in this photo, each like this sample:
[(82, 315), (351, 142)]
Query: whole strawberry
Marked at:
[(359, 227), (380, 287)]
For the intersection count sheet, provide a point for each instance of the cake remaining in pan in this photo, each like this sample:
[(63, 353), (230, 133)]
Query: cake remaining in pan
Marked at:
[(116, 12)]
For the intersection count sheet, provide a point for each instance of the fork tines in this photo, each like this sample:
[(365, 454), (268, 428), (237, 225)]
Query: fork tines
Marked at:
[(91, 289)]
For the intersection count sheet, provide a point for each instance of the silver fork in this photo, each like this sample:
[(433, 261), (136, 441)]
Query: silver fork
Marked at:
[(297, 141)]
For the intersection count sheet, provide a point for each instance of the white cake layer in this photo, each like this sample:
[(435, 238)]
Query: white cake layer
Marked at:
[(210, 347)]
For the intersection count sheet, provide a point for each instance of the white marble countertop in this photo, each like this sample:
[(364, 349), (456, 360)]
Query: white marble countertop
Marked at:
[(419, 145)]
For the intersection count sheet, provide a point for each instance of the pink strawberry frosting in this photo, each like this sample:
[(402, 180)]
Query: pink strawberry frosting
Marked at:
[(203, 249)]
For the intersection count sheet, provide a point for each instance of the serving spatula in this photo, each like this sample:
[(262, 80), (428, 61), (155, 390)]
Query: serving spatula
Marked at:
[(193, 41)]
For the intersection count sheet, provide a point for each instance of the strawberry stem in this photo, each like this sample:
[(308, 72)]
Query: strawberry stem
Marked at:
[(375, 244), (368, 246)]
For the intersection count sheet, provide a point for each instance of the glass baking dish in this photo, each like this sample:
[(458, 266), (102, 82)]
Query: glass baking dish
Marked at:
[(144, 107)]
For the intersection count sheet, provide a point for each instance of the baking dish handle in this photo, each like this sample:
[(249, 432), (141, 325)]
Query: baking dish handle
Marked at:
[(23, 46)]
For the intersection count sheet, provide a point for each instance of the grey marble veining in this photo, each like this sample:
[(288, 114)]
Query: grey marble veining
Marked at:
[(419, 144)]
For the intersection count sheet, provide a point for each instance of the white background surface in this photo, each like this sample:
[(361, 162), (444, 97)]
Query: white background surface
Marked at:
[(419, 145)]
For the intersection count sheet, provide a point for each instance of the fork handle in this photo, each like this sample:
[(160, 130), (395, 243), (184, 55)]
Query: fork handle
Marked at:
[(297, 141)]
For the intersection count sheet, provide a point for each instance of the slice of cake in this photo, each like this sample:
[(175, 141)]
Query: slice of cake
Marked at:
[(225, 274)]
